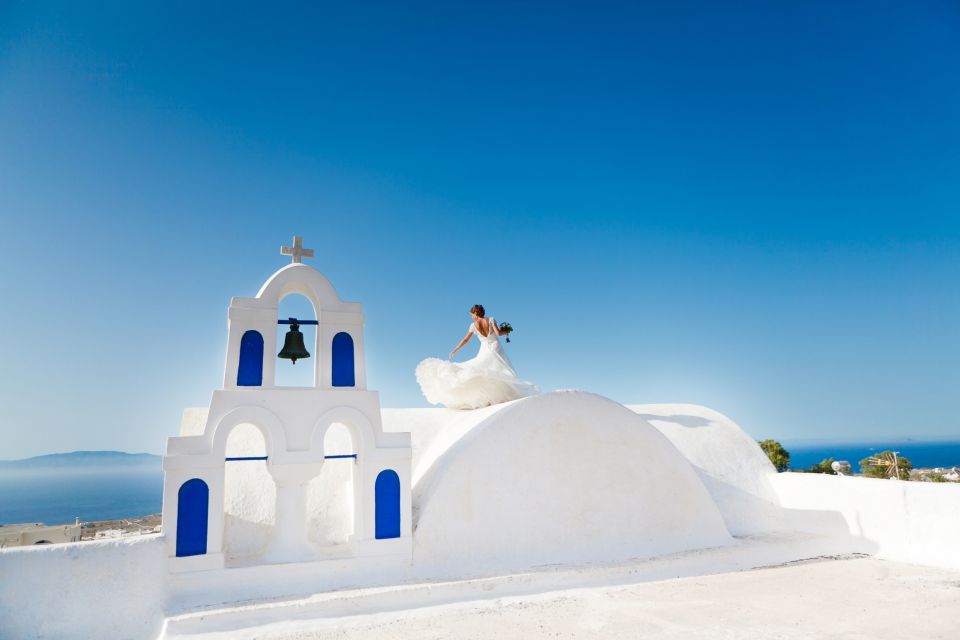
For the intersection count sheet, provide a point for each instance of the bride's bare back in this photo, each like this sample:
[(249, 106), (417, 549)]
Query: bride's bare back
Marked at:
[(483, 326)]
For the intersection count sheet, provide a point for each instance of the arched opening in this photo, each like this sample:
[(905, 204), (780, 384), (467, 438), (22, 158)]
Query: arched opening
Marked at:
[(193, 502), (249, 495), (301, 373), (250, 366), (331, 495), (343, 361), (42, 542), (387, 499)]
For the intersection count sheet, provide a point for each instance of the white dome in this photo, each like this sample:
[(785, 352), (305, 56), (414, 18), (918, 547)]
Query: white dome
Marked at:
[(559, 478)]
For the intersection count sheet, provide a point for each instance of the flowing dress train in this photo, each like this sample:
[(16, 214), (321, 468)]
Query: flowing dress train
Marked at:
[(486, 379)]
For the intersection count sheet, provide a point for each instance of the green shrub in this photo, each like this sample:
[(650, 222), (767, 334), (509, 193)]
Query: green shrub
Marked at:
[(779, 456), (824, 466)]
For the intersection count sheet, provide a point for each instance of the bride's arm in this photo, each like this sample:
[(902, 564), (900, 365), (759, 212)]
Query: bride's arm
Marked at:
[(465, 340), (496, 329)]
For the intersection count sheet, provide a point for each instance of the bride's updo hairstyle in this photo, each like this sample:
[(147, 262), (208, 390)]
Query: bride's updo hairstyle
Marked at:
[(478, 309)]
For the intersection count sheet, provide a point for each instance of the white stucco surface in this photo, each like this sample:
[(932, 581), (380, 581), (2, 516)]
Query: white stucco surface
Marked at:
[(826, 599), (193, 420), (249, 497), (102, 589), (330, 494), (731, 465), (907, 521), (434, 430)]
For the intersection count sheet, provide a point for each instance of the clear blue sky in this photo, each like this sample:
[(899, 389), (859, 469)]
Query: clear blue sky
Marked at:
[(749, 205)]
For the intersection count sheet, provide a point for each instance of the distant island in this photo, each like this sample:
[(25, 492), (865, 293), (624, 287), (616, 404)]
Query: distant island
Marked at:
[(82, 459)]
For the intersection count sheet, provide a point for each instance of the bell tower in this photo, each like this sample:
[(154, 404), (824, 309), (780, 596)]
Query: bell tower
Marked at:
[(294, 422), (338, 357)]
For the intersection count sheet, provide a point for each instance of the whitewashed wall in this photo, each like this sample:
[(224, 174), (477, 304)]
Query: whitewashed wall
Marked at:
[(908, 521), (101, 589)]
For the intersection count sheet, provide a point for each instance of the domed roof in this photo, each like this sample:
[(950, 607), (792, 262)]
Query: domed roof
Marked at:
[(559, 478)]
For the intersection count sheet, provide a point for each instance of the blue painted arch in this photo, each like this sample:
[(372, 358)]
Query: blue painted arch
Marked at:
[(193, 502), (387, 505), (250, 366), (343, 360)]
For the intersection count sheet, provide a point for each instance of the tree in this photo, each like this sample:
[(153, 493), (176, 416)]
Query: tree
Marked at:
[(881, 466), (824, 466), (779, 456)]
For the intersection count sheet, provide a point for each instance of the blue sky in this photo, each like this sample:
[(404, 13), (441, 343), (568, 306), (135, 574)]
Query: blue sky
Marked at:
[(753, 206)]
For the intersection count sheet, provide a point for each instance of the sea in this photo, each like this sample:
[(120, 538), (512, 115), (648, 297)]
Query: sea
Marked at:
[(921, 454), (58, 495)]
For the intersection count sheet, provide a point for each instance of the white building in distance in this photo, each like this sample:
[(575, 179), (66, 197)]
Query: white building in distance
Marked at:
[(19, 535)]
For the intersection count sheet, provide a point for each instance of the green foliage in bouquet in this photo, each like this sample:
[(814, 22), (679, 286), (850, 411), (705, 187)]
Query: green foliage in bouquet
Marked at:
[(506, 329)]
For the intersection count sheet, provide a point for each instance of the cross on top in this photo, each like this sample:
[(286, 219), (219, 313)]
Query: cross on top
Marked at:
[(296, 251)]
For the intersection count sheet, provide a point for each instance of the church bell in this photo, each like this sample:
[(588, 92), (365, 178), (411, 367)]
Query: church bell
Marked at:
[(293, 348)]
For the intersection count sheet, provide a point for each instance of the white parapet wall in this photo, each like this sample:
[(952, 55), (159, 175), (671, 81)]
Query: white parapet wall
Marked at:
[(907, 521), (101, 589)]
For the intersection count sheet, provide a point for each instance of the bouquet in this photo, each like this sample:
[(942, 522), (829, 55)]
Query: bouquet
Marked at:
[(506, 329)]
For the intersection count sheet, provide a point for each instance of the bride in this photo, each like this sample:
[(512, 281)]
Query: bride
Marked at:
[(488, 378)]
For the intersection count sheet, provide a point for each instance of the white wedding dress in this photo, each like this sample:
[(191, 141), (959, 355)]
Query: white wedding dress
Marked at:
[(488, 378)]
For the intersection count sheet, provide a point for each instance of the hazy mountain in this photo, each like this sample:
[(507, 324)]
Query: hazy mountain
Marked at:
[(84, 459)]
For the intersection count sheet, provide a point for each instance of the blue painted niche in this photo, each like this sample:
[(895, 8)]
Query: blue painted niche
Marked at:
[(387, 501), (193, 500), (250, 369), (343, 369)]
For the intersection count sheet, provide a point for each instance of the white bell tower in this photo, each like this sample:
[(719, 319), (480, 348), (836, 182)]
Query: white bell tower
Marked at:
[(293, 422)]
